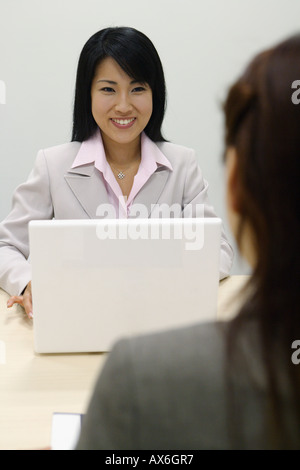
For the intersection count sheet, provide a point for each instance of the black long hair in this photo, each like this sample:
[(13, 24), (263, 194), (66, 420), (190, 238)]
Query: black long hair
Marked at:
[(137, 56), (263, 124)]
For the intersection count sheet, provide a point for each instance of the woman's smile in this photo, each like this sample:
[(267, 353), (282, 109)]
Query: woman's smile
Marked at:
[(124, 123)]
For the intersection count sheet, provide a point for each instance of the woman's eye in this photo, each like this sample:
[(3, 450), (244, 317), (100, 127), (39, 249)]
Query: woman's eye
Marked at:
[(107, 89), (138, 89)]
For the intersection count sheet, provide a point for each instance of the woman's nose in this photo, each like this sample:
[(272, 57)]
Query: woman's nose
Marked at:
[(123, 104)]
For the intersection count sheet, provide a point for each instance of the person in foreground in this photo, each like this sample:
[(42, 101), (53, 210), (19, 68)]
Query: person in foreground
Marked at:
[(234, 384), (118, 164)]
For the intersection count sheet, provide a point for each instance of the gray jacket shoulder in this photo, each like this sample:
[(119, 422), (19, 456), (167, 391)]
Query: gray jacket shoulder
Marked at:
[(177, 154), (61, 155)]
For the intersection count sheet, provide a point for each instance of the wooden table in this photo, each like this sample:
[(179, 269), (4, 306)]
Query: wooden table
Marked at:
[(33, 387)]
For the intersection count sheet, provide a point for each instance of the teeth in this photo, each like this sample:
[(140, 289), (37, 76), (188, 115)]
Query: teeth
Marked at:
[(123, 122)]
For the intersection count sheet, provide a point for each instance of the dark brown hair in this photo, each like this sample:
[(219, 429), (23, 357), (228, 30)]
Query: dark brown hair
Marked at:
[(263, 124)]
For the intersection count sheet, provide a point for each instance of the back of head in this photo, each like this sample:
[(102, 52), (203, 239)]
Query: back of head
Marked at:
[(137, 56), (262, 122)]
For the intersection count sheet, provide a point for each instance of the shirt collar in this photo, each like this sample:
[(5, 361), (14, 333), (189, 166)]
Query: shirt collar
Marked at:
[(92, 151), (152, 156)]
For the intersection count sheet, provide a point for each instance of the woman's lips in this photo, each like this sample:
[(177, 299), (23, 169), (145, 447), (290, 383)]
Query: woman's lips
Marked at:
[(124, 123)]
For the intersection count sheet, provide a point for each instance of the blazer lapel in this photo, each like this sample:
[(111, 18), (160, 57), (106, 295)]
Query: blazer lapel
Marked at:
[(88, 187), (149, 194)]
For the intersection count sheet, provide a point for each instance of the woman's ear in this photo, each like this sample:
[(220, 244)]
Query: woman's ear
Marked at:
[(232, 180)]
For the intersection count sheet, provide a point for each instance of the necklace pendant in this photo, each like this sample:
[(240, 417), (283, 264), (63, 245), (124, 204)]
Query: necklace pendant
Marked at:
[(121, 175)]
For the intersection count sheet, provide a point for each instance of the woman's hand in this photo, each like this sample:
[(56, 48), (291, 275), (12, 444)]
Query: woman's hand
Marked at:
[(25, 300)]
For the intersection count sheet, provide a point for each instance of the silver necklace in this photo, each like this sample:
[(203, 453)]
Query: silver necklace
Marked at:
[(120, 173)]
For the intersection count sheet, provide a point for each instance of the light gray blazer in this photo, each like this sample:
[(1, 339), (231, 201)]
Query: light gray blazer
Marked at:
[(55, 190)]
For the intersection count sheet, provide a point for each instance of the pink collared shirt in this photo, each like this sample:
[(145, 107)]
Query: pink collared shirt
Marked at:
[(92, 151)]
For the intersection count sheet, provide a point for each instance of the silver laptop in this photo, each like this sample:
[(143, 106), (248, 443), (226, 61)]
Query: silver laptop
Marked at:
[(94, 281)]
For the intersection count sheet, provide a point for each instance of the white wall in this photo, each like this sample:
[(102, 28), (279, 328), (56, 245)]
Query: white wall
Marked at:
[(203, 46)]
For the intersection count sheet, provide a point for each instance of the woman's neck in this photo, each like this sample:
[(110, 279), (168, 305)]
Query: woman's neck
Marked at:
[(122, 154)]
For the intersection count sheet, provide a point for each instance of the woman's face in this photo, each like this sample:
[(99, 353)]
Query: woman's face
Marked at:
[(121, 106)]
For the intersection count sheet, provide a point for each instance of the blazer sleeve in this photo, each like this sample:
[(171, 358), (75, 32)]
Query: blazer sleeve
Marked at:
[(31, 200), (196, 204)]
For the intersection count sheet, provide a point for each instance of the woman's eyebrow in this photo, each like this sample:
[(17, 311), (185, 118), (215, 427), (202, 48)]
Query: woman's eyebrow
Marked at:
[(111, 82)]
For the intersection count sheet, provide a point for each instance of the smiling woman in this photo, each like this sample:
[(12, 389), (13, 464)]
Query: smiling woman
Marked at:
[(117, 156)]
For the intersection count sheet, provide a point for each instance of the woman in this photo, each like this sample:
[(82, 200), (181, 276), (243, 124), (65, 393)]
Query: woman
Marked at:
[(117, 156), (236, 384)]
